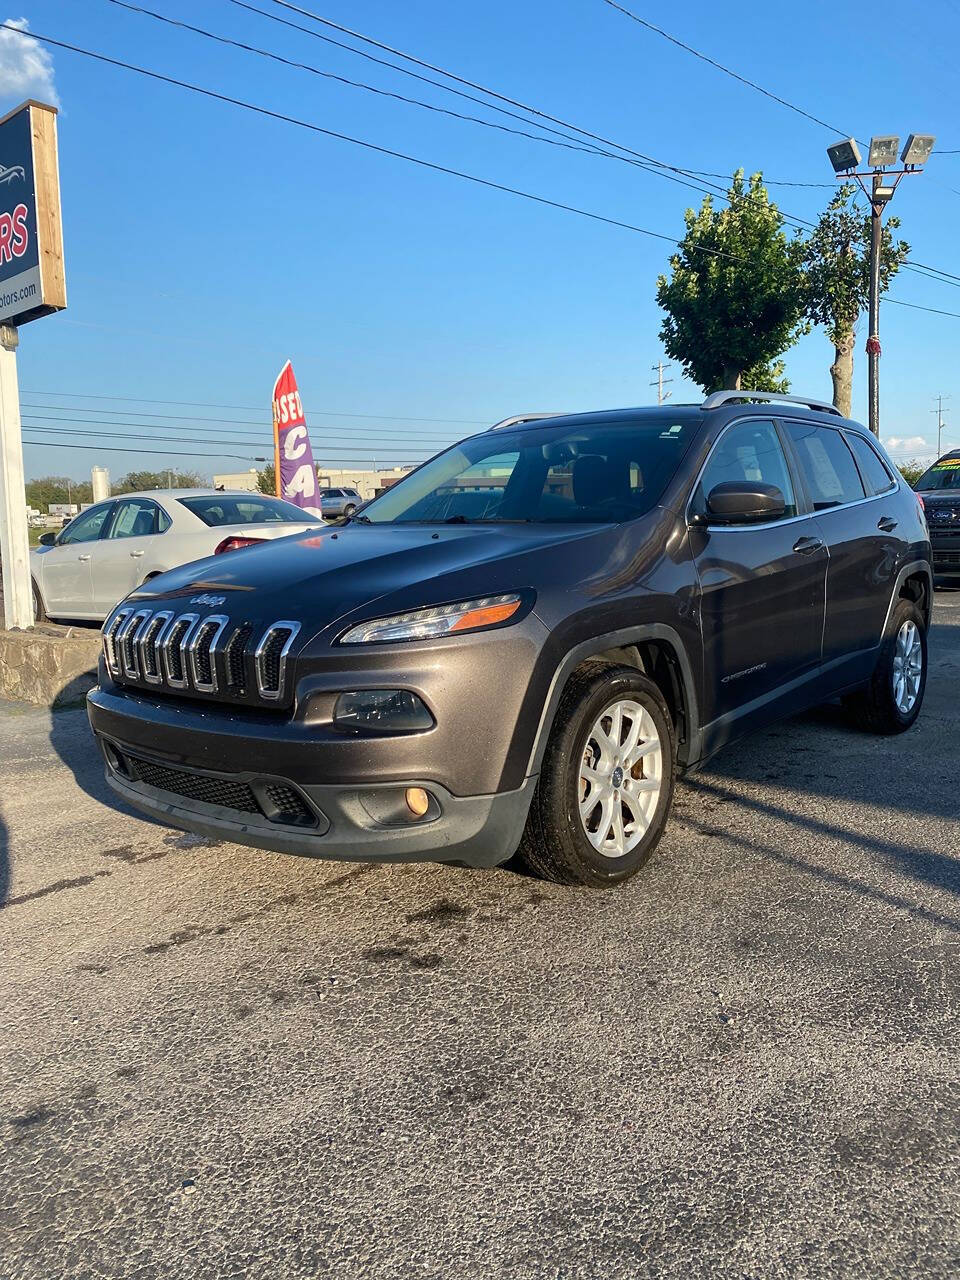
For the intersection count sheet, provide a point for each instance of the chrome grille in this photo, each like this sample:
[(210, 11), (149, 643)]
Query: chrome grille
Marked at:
[(201, 652), (271, 657), (187, 652)]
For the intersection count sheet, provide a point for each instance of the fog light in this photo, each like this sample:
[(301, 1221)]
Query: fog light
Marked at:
[(382, 711), (418, 802)]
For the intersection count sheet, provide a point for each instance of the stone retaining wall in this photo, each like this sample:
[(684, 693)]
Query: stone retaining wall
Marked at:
[(48, 665)]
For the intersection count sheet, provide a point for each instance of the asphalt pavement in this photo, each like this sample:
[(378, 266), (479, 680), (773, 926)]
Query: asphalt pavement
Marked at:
[(221, 1062)]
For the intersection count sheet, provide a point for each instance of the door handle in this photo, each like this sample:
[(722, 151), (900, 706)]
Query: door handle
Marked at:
[(887, 524), (807, 546), (83, 557), (136, 554)]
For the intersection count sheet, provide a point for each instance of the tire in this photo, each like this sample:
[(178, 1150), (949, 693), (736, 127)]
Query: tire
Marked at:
[(349, 509), (556, 844), (876, 708), (39, 613)]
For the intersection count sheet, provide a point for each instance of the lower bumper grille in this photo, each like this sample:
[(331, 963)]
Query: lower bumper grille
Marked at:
[(945, 558), (279, 803)]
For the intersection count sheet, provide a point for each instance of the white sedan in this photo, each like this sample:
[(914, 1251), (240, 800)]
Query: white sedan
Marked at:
[(114, 546)]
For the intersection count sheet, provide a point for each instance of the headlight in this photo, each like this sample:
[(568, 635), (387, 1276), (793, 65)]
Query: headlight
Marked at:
[(443, 620)]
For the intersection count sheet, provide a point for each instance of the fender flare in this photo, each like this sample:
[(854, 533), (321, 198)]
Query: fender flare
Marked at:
[(908, 571), (614, 640)]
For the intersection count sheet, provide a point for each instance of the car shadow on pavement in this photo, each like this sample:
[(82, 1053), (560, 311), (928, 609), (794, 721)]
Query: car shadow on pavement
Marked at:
[(4, 861)]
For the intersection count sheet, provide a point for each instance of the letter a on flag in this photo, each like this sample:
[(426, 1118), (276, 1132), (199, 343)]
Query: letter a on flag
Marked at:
[(292, 455)]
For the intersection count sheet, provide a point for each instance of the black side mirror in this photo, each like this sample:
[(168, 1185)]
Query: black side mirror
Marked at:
[(744, 502), (48, 539)]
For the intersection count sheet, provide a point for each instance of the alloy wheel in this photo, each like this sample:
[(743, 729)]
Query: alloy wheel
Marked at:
[(620, 778), (907, 667)]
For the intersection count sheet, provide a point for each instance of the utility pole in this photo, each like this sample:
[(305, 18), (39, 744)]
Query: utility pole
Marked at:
[(939, 412), (661, 381), (845, 158)]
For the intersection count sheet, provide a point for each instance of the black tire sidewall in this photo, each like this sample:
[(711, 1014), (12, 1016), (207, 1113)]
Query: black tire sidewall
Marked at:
[(905, 611), (563, 786)]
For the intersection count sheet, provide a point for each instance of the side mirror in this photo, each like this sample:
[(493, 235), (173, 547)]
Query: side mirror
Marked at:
[(744, 502), (48, 539)]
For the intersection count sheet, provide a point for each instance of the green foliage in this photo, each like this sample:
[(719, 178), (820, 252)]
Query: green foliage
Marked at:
[(40, 493), (267, 479), (769, 376), (911, 471), (735, 298), (837, 264), (136, 481)]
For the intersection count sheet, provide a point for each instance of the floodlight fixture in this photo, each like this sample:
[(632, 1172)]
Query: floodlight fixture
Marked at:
[(883, 191), (917, 148), (883, 150), (844, 155)]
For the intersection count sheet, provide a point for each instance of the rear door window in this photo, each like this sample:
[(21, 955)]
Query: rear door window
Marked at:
[(827, 465), (873, 472)]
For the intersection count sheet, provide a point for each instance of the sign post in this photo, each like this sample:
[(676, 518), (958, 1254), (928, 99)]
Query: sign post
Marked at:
[(32, 285)]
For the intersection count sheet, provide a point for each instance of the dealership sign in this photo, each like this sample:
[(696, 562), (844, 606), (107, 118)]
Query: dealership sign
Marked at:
[(32, 280), (296, 476)]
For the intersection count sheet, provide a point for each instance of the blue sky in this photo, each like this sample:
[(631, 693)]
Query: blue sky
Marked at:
[(206, 245)]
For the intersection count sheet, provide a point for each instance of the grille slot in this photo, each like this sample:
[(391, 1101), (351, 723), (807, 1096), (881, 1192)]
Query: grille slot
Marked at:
[(172, 651), (126, 644), (271, 657), (147, 642), (202, 653), (946, 557), (110, 640), (234, 658)]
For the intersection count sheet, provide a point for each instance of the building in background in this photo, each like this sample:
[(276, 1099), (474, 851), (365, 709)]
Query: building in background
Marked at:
[(366, 483), (248, 481)]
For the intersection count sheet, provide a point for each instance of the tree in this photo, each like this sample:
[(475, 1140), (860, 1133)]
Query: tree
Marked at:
[(911, 471), (767, 377), (267, 479), (137, 481), (41, 492), (735, 298), (837, 262)]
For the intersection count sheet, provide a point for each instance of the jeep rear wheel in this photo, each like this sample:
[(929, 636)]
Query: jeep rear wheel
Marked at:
[(891, 702), (606, 783)]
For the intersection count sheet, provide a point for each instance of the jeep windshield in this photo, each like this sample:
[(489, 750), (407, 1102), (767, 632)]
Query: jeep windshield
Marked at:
[(604, 471)]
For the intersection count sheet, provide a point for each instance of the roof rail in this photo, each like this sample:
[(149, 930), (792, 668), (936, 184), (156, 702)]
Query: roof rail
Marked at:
[(519, 418), (719, 398)]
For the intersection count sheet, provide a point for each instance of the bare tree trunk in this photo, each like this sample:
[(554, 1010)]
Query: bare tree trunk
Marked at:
[(841, 371), (731, 378)]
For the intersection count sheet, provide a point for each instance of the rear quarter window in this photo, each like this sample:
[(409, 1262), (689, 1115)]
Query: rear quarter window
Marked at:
[(873, 470)]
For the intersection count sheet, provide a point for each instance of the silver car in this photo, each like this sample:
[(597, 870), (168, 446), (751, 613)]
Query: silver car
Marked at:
[(112, 547), (339, 502)]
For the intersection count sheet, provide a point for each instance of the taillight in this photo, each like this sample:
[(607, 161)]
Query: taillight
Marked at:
[(234, 544), (923, 505)]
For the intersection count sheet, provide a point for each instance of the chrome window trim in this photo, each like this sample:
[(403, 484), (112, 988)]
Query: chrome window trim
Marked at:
[(109, 638), (273, 695), (190, 619), (162, 617), (221, 621), (774, 524)]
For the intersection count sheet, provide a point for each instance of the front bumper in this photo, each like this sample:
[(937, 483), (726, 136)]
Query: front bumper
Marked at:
[(263, 782)]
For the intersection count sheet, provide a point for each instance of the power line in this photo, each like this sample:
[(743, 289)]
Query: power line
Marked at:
[(917, 307), (360, 142), (57, 444), (386, 450), (660, 165), (252, 408), (173, 422)]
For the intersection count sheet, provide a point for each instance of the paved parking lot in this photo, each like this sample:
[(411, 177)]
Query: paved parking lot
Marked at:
[(219, 1062)]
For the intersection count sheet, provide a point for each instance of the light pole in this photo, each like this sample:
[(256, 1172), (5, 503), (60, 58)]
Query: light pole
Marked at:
[(845, 158)]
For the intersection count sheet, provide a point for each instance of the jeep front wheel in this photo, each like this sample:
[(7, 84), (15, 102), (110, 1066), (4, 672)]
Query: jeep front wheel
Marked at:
[(606, 783)]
